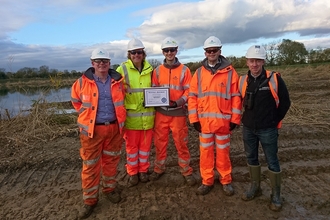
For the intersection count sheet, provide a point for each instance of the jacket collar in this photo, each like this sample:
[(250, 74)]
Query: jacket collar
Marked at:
[(262, 74), (172, 66), (223, 63)]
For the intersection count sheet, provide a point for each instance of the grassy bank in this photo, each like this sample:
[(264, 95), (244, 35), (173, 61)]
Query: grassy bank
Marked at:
[(12, 83)]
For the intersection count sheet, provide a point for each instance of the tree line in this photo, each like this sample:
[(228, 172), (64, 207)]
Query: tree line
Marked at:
[(285, 52)]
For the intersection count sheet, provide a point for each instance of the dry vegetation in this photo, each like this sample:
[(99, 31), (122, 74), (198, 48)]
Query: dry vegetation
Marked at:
[(309, 92), (40, 125)]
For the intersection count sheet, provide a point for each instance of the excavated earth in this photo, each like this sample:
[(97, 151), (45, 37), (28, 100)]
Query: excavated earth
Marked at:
[(41, 180)]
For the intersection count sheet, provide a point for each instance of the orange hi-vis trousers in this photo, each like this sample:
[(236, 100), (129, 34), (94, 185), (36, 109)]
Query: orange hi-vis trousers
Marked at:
[(100, 155), (178, 126), (221, 142), (138, 145)]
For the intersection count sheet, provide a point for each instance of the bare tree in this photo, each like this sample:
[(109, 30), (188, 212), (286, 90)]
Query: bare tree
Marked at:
[(11, 59), (272, 52), (154, 63)]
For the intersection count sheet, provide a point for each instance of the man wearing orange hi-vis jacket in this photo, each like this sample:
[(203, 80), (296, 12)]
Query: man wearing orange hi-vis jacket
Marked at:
[(214, 108), (176, 77), (98, 96)]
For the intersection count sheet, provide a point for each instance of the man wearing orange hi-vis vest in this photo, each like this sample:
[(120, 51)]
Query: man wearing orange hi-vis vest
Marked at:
[(98, 97), (176, 77), (266, 102), (214, 107)]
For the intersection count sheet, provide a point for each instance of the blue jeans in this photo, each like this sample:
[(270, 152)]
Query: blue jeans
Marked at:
[(268, 139)]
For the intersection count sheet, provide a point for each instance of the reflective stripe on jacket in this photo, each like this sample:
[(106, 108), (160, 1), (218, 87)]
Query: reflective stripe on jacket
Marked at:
[(84, 98), (177, 78), (214, 99), (272, 83), (138, 117)]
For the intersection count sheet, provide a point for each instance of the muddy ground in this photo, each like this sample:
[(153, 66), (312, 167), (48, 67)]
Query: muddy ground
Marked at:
[(41, 179)]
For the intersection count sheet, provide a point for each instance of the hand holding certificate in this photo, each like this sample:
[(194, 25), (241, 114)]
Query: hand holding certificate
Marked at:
[(157, 96)]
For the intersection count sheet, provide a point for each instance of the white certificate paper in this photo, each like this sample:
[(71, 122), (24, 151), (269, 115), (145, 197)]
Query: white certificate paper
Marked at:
[(156, 96)]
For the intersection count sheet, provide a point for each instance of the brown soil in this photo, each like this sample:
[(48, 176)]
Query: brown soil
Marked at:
[(40, 178)]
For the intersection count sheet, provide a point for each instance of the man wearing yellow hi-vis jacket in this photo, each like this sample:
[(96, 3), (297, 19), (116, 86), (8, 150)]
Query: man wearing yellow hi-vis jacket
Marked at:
[(140, 119)]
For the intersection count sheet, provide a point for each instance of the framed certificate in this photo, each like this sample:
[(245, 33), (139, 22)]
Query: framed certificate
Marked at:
[(156, 96)]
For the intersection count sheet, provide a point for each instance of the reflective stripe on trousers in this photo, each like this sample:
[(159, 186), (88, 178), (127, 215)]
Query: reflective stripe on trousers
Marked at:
[(223, 165), (178, 126), (100, 155), (138, 145)]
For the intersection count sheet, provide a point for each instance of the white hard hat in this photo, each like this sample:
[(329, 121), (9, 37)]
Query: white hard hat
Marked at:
[(256, 52), (100, 53), (169, 42), (212, 42), (135, 44)]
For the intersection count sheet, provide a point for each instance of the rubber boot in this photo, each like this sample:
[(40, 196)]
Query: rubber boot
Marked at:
[(275, 197), (255, 189)]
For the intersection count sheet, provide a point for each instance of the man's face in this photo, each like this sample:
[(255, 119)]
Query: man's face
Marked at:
[(212, 53), (101, 65), (170, 53), (136, 55), (255, 65)]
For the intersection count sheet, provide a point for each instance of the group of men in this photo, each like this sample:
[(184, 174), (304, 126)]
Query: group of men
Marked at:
[(112, 110)]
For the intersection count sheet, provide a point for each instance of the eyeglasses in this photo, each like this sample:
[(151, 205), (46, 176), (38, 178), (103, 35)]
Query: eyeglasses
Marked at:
[(212, 51), (166, 50), (101, 60), (136, 52), (253, 61)]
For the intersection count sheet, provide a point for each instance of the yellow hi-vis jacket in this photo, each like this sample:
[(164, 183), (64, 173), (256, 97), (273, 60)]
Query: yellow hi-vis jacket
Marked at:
[(138, 117)]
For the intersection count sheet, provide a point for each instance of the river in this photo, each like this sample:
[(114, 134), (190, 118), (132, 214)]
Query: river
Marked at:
[(21, 101)]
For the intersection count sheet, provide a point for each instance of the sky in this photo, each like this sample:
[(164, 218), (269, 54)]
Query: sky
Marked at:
[(62, 34)]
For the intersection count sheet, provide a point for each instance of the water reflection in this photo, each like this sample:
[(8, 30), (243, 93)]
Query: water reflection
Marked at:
[(4, 91), (28, 90), (20, 99)]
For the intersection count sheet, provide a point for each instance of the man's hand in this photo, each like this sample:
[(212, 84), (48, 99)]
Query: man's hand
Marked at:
[(197, 126), (173, 104), (232, 126)]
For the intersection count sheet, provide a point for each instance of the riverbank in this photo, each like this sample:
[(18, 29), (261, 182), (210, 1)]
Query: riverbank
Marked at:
[(33, 82), (20, 96)]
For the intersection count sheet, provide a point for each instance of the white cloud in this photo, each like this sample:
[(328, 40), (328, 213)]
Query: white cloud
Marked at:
[(235, 22), (316, 43)]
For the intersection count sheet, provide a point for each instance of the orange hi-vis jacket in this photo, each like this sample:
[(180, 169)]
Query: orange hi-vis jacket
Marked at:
[(84, 98), (177, 78), (273, 86), (214, 99)]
